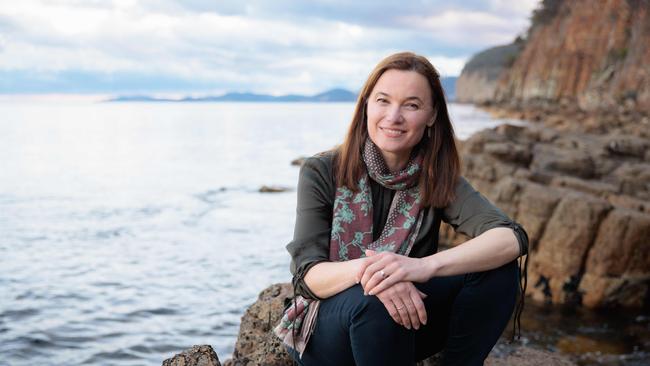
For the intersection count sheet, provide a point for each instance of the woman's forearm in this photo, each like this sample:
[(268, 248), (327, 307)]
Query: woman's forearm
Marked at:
[(489, 250), (326, 279)]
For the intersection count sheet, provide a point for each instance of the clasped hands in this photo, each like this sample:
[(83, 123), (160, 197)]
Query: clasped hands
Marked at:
[(390, 277)]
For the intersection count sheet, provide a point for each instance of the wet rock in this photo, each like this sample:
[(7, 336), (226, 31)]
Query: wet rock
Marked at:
[(579, 344), (196, 356), (528, 356), (273, 189)]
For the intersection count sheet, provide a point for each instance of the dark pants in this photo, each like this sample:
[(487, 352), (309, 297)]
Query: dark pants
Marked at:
[(466, 316)]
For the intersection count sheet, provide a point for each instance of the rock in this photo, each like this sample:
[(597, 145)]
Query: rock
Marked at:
[(196, 356), (555, 267), (634, 179), (568, 188), (596, 188), (551, 159), (528, 356), (616, 270), (509, 152), (256, 343), (536, 205), (627, 145), (580, 344), (273, 189), (298, 161)]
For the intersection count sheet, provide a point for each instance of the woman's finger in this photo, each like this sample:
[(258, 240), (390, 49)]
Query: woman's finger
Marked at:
[(403, 312), (420, 309), (376, 279), (372, 269), (370, 259), (362, 268), (393, 276), (412, 313)]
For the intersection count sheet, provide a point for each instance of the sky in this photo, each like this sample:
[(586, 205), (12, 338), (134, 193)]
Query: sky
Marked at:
[(200, 47)]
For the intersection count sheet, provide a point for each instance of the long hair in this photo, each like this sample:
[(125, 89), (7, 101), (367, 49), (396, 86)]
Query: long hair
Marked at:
[(441, 165)]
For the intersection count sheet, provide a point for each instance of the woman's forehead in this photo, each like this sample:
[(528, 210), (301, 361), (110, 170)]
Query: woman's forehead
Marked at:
[(403, 83)]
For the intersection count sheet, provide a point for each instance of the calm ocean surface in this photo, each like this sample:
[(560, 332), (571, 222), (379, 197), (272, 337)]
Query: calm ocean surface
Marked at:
[(131, 231)]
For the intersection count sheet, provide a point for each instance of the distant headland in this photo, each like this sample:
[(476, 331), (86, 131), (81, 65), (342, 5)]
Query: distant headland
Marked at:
[(329, 96)]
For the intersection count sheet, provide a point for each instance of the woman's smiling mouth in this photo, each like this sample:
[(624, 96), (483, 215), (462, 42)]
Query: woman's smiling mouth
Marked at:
[(392, 132)]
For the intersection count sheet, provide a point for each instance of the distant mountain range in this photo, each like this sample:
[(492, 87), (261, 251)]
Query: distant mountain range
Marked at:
[(333, 95)]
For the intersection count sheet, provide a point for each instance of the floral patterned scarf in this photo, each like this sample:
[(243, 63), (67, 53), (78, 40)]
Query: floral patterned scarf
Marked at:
[(352, 231)]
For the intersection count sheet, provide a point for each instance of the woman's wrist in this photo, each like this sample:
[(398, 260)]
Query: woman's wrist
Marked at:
[(432, 265)]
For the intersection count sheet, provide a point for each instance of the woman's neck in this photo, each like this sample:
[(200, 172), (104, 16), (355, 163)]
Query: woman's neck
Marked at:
[(395, 162)]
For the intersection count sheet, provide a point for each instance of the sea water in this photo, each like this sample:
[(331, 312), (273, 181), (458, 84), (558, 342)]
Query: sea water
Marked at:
[(132, 231)]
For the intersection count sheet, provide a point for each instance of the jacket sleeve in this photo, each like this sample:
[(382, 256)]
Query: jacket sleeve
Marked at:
[(311, 236), (472, 214)]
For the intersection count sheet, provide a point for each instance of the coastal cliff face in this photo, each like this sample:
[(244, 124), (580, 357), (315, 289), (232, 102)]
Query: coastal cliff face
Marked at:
[(594, 54), (478, 80)]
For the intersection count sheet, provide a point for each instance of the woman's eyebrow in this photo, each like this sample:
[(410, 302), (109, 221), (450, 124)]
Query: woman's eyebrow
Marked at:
[(409, 98)]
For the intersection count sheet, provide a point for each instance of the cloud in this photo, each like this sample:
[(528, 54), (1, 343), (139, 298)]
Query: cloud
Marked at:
[(280, 47), (467, 27)]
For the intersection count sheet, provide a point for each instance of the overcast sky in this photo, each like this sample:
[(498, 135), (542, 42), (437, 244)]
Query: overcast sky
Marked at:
[(210, 46)]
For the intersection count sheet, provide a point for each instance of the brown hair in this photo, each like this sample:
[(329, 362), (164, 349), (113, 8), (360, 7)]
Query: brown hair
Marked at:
[(441, 165)]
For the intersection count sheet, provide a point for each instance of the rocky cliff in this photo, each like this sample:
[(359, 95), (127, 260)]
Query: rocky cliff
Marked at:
[(596, 55), (478, 80)]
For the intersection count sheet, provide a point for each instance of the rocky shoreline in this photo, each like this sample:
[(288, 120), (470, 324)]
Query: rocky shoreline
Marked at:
[(582, 195)]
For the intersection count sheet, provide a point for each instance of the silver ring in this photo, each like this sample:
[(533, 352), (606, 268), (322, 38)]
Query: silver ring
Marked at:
[(383, 274), (400, 308)]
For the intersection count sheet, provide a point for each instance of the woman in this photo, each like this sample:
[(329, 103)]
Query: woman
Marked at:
[(373, 290)]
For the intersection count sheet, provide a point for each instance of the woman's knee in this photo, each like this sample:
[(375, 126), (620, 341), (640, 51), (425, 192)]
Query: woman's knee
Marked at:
[(506, 277), (365, 307)]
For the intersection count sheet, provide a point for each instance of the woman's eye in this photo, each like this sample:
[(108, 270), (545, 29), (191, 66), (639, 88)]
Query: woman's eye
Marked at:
[(382, 100), (412, 106)]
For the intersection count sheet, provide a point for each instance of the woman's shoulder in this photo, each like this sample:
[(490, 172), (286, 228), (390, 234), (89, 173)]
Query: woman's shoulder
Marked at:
[(317, 176), (322, 161)]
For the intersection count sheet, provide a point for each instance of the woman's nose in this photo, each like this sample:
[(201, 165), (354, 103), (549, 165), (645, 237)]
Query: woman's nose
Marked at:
[(394, 113)]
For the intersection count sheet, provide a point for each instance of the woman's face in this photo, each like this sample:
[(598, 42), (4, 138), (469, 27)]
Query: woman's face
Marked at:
[(399, 110)]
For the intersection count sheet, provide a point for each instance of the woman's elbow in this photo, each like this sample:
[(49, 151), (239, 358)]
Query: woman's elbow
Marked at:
[(510, 245)]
